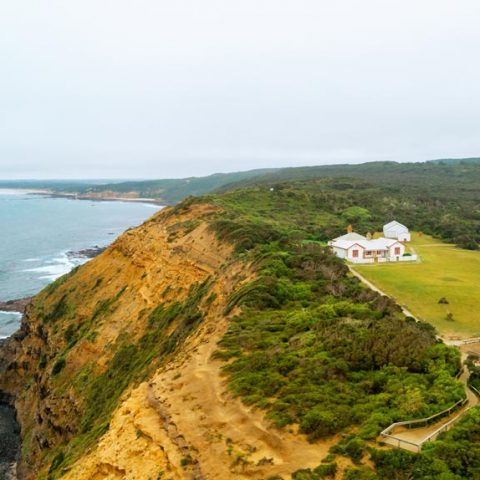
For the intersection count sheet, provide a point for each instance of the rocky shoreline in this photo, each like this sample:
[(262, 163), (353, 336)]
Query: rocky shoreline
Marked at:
[(9, 441), (91, 252), (101, 197), (18, 305)]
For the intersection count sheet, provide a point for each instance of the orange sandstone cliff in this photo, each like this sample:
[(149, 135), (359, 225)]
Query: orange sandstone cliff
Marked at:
[(113, 374)]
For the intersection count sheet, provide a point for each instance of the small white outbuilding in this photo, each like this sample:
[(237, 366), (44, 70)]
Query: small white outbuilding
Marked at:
[(397, 231)]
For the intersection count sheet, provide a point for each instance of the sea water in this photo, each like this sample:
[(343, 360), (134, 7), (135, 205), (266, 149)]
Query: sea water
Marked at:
[(38, 234)]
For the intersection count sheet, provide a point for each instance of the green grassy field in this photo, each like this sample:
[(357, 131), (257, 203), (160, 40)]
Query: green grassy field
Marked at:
[(444, 271)]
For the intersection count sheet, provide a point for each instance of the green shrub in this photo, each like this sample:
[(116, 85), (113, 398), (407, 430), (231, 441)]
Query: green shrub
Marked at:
[(327, 470), (60, 309), (56, 462), (58, 366), (362, 473), (352, 446)]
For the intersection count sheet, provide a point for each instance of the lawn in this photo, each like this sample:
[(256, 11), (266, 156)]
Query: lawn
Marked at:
[(444, 271)]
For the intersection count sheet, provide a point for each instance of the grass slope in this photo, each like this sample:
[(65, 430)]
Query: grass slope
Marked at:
[(444, 271)]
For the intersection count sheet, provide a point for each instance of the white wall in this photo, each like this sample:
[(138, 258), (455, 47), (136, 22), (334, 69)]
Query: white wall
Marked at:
[(404, 237), (361, 260), (400, 233), (391, 250), (350, 252)]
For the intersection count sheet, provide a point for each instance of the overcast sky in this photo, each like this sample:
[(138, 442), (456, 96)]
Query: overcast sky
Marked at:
[(156, 88)]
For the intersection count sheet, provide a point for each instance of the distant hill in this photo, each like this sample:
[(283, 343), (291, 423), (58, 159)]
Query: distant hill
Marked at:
[(455, 161), (435, 176), (168, 191)]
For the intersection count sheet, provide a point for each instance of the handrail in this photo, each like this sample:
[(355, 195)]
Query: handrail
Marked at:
[(401, 440), (444, 427), (387, 430), (474, 390)]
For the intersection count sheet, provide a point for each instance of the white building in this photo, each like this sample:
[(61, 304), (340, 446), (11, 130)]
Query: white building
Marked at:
[(396, 230), (358, 249), (348, 236)]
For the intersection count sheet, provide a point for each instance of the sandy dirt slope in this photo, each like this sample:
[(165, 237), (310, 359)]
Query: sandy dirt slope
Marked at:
[(182, 423), (184, 415)]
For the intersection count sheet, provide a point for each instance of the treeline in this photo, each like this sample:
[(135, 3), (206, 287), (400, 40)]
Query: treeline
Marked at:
[(335, 203)]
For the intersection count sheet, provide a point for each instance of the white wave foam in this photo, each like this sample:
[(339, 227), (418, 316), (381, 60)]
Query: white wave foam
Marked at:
[(151, 205), (56, 267), (31, 260), (12, 191), (14, 314)]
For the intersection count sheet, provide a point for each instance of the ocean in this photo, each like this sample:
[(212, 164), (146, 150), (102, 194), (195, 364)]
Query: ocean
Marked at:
[(41, 237)]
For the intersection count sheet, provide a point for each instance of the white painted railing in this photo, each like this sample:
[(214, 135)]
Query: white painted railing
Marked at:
[(397, 441), (474, 390)]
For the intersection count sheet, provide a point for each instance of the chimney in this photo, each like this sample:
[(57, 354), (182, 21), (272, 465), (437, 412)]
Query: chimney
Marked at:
[(349, 229)]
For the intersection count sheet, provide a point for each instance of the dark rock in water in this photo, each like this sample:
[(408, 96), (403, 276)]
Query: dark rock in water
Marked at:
[(9, 442), (87, 252), (15, 305)]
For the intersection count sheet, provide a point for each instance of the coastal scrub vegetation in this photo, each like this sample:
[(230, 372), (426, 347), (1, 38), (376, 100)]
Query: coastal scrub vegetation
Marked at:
[(312, 346), (438, 199)]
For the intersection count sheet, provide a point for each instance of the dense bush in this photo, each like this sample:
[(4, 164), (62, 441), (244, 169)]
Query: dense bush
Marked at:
[(313, 346)]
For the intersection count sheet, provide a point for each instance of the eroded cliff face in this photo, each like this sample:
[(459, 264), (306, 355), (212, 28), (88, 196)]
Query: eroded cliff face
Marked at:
[(113, 373)]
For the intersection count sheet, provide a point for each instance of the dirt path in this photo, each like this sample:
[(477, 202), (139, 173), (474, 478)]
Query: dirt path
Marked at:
[(230, 439), (183, 424), (373, 287)]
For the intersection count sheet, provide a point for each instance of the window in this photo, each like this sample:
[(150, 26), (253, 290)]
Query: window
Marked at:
[(355, 253), (397, 250)]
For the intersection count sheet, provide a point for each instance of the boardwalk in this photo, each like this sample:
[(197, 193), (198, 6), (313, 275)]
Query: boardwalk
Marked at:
[(413, 438)]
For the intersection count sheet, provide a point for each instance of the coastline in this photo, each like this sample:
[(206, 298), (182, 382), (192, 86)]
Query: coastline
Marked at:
[(99, 198), (18, 305), (10, 440), (23, 191), (82, 196), (12, 309)]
